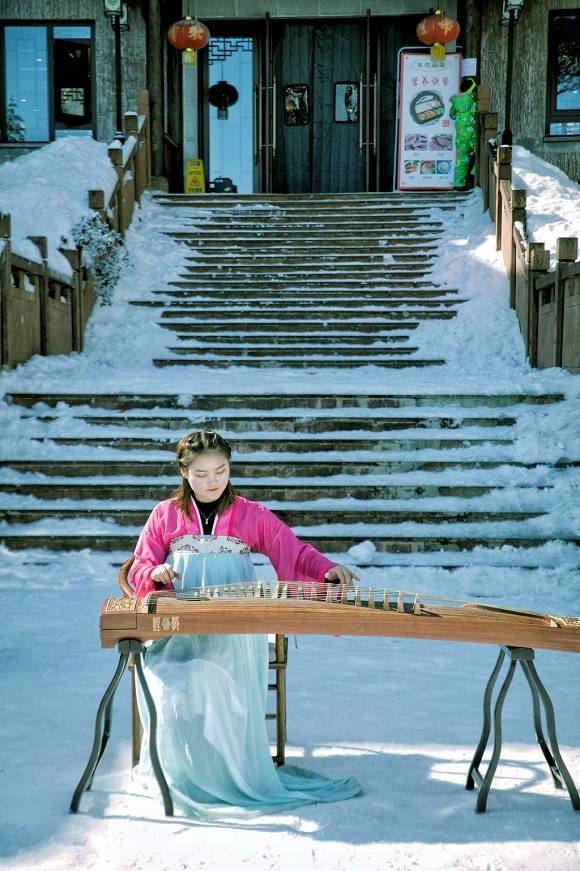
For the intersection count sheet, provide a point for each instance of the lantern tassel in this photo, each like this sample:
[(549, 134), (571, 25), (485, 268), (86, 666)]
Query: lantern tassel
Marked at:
[(437, 52)]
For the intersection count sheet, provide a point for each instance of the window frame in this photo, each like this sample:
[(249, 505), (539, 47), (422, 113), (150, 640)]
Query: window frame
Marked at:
[(50, 26), (553, 114)]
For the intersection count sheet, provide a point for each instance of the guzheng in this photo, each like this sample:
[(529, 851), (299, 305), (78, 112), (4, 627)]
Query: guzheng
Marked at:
[(322, 609)]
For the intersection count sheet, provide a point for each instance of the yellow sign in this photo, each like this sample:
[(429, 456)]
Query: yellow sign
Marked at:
[(195, 177)]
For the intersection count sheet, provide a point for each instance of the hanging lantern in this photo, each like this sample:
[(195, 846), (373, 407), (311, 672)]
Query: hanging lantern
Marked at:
[(223, 95), (437, 30), (188, 36)]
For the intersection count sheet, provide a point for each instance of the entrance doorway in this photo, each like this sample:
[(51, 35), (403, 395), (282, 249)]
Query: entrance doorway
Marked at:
[(314, 108), (321, 141)]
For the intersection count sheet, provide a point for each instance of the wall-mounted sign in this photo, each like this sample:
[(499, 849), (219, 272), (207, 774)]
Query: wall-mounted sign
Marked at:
[(426, 137), (195, 177), (296, 105), (346, 102)]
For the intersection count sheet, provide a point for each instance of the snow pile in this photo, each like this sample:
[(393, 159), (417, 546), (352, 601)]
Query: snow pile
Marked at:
[(46, 194), (552, 202)]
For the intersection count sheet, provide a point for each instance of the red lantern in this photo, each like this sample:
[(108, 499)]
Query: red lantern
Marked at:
[(437, 30), (188, 36)]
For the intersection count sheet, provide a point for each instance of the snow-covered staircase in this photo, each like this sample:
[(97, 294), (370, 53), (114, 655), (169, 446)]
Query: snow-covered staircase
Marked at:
[(328, 281), (304, 283)]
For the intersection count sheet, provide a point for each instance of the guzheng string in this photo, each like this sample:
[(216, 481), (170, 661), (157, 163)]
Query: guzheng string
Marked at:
[(378, 598)]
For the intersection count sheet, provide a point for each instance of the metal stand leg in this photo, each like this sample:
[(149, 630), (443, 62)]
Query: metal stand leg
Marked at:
[(560, 773), (524, 656), (105, 738), (155, 763), (100, 741), (105, 711), (473, 772)]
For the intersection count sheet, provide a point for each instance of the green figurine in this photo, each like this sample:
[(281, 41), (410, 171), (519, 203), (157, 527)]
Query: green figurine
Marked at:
[(463, 109)]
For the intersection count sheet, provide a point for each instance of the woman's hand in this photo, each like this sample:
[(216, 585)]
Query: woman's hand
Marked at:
[(164, 574), (342, 575)]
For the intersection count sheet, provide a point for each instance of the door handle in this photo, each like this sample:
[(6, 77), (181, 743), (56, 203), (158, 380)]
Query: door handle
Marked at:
[(274, 114), (257, 120), (375, 114), (360, 115)]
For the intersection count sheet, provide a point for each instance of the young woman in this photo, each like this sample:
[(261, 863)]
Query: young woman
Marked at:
[(210, 690)]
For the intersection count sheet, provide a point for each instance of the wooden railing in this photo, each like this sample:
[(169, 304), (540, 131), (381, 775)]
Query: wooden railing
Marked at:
[(42, 312), (132, 162), (547, 302)]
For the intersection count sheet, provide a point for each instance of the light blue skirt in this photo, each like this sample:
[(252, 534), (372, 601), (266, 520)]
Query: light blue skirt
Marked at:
[(210, 696)]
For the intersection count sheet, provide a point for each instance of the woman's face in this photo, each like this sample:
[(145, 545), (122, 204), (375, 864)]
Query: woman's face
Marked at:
[(208, 475)]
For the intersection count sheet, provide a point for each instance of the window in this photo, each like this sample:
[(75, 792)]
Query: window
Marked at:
[(47, 89), (564, 73)]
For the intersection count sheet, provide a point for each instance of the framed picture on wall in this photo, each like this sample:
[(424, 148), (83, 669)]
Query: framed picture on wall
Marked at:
[(346, 102), (296, 105)]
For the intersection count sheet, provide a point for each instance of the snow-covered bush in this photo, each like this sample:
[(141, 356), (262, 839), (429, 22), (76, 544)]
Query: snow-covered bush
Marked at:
[(103, 254)]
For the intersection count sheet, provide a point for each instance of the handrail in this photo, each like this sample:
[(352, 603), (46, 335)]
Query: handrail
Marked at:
[(547, 322)]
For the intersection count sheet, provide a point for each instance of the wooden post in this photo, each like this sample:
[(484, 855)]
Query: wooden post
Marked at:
[(97, 202), (144, 108), (483, 98), (487, 130), (566, 252), (5, 288), (538, 264), (139, 156), (517, 213), (41, 243), (73, 255), (116, 158), (503, 172)]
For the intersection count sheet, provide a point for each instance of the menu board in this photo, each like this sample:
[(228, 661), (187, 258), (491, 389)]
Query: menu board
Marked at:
[(426, 138)]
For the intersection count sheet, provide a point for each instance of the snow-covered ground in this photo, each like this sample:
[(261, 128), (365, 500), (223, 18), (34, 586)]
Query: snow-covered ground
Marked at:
[(402, 716)]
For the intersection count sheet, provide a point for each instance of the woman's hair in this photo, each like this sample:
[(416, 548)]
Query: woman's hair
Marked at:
[(188, 448)]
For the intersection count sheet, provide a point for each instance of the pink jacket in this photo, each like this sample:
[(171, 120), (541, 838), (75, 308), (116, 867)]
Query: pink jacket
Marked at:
[(249, 521)]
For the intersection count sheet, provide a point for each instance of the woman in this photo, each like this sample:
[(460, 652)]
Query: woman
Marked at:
[(210, 691)]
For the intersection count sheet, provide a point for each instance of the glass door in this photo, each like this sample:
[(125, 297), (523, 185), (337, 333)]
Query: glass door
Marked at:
[(232, 121)]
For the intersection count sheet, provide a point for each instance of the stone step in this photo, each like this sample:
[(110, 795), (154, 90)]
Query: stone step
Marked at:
[(291, 423), (319, 305), (275, 401), (302, 332), (258, 492), (203, 359), (398, 244), (315, 200), (272, 467), (234, 352), (322, 340), (297, 213), (224, 328), (310, 516), (325, 542), (305, 296), (323, 211), (306, 238), (274, 285), (309, 229), (335, 273), (380, 258), (269, 443), (410, 232), (262, 317)]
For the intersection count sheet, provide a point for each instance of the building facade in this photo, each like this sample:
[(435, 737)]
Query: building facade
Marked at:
[(289, 95)]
